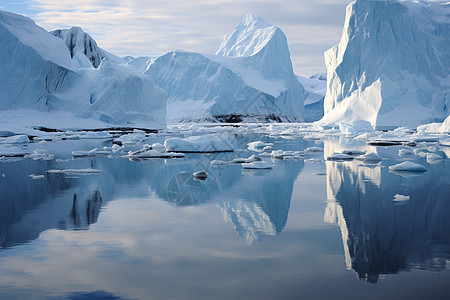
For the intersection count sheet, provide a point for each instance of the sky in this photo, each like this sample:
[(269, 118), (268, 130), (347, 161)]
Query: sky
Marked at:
[(153, 28)]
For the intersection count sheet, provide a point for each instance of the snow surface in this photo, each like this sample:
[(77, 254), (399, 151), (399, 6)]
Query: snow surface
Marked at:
[(39, 73), (251, 76), (392, 64)]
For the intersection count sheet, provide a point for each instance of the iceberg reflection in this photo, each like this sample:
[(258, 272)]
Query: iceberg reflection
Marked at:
[(382, 236)]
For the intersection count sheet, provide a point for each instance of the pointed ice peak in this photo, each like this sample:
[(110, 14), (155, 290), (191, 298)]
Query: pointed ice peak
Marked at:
[(78, 41), (248, 38), (252, 21)]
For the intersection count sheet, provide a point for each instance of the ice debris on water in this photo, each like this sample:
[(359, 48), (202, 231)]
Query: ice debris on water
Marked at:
[(257, 165), (400, 198), (408, 166), (201, 175)]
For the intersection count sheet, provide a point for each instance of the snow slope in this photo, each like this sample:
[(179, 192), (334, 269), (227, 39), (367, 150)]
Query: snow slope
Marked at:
[(250, 77), (39, 73), (392, 64)]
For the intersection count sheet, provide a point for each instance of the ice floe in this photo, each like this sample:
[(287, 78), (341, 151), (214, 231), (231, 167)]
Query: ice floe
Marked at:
[(408, 166)]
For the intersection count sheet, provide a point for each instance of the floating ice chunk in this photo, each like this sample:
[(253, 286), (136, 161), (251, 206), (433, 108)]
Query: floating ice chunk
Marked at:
[(423, 138), (408, 166), (148, 152), (201, 175), (115, 148), (158, 147), (257, 165), (92, 152), (314, 149), (258, 146), (218, 163), (12, 151), (433, 158), (204, 143), (246, 160), (355, 127), (354, 152), (96, 135), (399, 198), (280, 154), (405, 152), (340, 157), (33, 176), (15, 139), (40, 154), (371, 157), (268, 148), (132, 138), (70, 172)]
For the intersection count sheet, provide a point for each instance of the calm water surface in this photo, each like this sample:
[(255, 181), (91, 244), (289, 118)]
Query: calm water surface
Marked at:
[(307, 229)]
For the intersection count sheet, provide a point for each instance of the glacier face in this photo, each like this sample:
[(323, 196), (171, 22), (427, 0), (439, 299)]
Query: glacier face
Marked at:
[(392, 64), (40, 72), (250, 77)]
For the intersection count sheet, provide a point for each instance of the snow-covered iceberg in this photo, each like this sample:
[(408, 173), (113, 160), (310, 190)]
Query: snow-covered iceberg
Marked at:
[(81, 45), (392, 64), (43, 72), (249, 78)]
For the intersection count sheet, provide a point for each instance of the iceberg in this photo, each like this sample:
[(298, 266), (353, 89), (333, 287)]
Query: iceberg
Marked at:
[(249, 78), (391, 67), (55, 73)]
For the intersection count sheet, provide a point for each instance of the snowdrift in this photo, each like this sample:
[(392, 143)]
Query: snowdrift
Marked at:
[(45, 73), (249, 78), (392, 64)]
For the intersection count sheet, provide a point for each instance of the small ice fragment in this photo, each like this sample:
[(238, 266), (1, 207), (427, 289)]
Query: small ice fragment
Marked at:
[(258, 145), (408, 166), (15, 139), (218, 162), (257, 165), (314, 149), (115, 148), (399, 198), (92, 152), (202, 175), (33, 176), (370, 157)]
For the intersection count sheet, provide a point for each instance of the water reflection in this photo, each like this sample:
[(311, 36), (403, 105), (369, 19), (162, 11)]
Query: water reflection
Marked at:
[(256, 204), (382, 236)]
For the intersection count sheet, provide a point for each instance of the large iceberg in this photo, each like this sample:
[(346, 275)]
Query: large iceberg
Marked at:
[(43, 73), (249, 78), (392, 64)]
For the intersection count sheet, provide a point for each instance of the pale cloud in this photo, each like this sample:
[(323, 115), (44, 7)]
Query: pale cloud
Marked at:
[(142, 27)]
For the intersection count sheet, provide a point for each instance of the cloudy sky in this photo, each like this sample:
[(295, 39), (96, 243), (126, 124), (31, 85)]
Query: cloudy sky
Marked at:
[(152, 28)]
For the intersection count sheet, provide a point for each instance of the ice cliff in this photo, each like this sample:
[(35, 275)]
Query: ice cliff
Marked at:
[(249, 78), (40, 72), (392, 64)]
